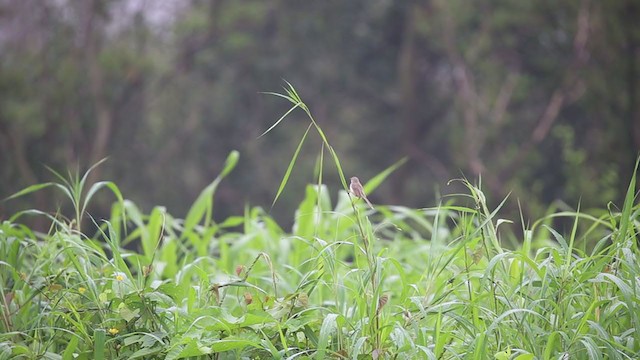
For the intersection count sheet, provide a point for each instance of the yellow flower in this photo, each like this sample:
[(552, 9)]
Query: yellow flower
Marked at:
[(113, 331), (81, 290), (120, 276)]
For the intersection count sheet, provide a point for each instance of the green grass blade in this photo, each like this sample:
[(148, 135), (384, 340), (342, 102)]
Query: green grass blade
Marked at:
[(279, 120), (336, 161), (574, 230), (86, 174), (29, 190), (96, 187), (99, 336), (375, 181), (292, 163), (628, 205), (230, 163)]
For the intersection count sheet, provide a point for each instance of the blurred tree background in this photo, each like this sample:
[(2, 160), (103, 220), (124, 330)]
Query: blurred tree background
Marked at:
[(540, 98)]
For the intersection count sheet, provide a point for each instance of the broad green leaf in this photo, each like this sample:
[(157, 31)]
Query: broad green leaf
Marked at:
[(202, 208), (329, 326), (232, 343), (305, 225), (503, 355), (71, 348)]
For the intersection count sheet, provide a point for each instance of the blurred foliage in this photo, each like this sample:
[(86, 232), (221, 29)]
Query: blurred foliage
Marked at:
[(539, 98)]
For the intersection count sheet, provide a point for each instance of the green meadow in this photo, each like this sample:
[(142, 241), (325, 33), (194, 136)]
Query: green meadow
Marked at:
[(452, 280)]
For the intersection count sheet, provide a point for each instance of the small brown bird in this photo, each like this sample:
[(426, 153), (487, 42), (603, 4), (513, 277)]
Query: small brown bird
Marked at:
[(356, 189)]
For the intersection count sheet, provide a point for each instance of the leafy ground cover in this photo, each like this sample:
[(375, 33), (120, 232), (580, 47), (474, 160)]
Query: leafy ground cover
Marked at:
[(454, 281)]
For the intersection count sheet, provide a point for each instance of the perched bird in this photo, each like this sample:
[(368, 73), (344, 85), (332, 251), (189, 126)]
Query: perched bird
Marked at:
[(356, 189)]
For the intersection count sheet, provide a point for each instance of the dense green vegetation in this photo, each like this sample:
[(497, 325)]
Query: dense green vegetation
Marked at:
[(453, 281)]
